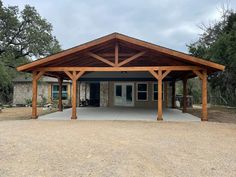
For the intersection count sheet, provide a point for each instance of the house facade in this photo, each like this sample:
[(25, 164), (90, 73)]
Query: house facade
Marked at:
[(94, 93)]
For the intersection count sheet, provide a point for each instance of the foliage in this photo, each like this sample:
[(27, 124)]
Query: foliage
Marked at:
[(28, 102), (218, 44), (24, 35)]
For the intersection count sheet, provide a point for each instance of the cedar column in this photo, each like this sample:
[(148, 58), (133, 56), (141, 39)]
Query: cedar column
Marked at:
[(74, 85), (166, 94), (204, 96), (74, 76), (36, 76), (159, 76), (159, 117), (34, 96), (184, 95), (60, 108), (173, 94)]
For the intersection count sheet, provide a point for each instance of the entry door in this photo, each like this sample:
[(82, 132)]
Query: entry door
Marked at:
[(124, 94)]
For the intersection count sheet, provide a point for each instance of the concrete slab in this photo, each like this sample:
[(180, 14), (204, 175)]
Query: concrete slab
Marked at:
[(120, 113)]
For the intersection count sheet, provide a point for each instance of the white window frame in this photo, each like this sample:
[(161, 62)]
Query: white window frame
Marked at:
[(137, 91), (153, 91)]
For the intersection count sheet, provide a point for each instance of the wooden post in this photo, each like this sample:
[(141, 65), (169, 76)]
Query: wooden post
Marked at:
[(173, 94), (159, 117), (74, 76), (60, 108), (36, 77), (203, 76), (184, 95), (204, 96), (34, 96), (74, 85), (166, 94)]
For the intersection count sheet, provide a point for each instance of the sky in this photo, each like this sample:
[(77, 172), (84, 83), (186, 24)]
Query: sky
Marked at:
[(169, 23)]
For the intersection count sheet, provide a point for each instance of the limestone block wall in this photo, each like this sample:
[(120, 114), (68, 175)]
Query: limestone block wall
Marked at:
[(104, 94), (23, 91)]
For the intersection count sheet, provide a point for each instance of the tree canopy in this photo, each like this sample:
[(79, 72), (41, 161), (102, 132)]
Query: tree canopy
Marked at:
[(218, 44), (24, 35)]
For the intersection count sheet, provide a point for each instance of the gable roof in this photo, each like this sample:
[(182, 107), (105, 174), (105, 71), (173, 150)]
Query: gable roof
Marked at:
[(129, 40)]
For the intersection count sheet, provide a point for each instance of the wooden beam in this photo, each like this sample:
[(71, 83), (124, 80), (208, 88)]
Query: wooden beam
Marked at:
[(184, 110), (101, 59), (198, 73), (154, 74), (68, 73), (78, 75), (131, 58), (204, 96), (165, 73), (39, 75), (60, 108), (116, 54), (108, 69), (159, 117)]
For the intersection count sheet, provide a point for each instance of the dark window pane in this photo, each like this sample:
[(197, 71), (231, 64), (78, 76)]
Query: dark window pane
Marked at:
[(55, 88), (155, 87), (155, 95), (129, 93), (118, 90), (64, 88), (64, 96), (142, 95), (55, 96), (142, 87)]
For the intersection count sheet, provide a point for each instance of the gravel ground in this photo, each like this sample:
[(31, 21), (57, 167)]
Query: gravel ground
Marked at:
[(116, 148)]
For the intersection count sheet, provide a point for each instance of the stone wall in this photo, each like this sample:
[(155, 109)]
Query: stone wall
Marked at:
[(103, 94), (23, 91)]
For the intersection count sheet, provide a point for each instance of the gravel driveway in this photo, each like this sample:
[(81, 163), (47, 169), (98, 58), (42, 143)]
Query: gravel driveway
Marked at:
[(116, 148)]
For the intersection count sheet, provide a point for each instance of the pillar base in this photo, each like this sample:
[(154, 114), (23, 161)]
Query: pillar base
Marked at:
[(204, 120), (159, 118), (74, 118), (34, 117), (60, 110)]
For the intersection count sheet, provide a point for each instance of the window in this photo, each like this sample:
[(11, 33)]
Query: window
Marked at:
[(142, 91), (155, 92), (55, 91)]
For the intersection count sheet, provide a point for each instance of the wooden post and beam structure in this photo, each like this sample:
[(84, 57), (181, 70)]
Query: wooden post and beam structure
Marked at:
[(74, 76), (203, 77), (35, 78), (159, 76)]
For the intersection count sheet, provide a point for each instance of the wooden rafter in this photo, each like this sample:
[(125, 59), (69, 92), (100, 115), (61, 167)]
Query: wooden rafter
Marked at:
[(116, 54), (131, 58), (100, 58), (107, 69)]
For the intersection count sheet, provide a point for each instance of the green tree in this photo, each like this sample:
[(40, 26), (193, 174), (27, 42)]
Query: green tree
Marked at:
[(218, 44), (24, 36)]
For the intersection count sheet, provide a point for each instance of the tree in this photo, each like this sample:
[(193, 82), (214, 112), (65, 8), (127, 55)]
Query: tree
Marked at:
[(218, 44), (24, 35)]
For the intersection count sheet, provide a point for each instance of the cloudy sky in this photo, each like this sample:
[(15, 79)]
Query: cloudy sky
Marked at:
[(170, 23)]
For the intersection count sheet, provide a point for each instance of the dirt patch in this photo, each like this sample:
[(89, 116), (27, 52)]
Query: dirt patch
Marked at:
[(20, 113), (217, 114), (116, 148)]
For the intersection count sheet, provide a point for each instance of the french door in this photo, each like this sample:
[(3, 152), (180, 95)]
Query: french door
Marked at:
[(124, 94)]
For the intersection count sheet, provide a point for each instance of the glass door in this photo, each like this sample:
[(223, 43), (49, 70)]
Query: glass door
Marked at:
[(124, 94)]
